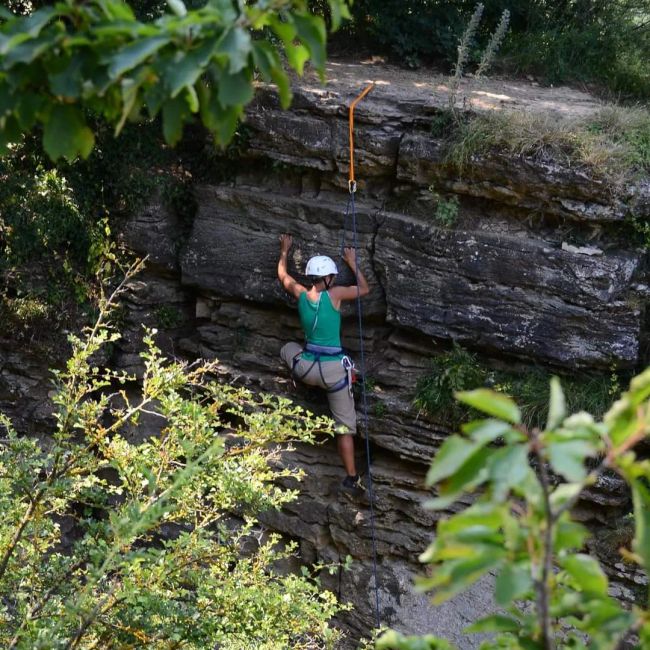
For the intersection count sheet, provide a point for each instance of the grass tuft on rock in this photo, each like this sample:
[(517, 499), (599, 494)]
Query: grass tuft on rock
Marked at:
[(613, 143)]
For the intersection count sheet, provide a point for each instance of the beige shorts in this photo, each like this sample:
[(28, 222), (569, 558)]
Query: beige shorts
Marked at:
[(341, 402)]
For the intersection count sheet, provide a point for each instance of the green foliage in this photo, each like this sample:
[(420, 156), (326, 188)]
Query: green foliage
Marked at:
[(456, 370), (550, 593), (460, 370), (51, 246), (64, 60), (168, 317), (152, 559), (379, 409), (446, 211)]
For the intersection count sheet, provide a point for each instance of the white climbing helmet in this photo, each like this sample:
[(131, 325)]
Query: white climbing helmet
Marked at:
[(320, 266)]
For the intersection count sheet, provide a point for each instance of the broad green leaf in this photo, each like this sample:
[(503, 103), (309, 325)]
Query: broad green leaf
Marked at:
[(339, 11), (30, 50), (10, 132), (121, 29), (640, 387), (224, 10), (7, 100), (281, 80), (66, 135), (641, 501), (284, 29), (514, 582), (482, 514), (557, 405), (132, 55), (154, 96), (565, 492), (192, 99), (468, 477), (178, 7), (486, 431), (183, 71), (451, 455), (130, 92), (297, 55), (621, 419), (115, 10), (568, 458), (236, 44), (34, 23), (460, 574), (493, 403), (507, 468), (221, 121), (569, 534), (235, 89), (311, 31), (28, 108), (494, 623), (68, 82), (586, 573), (174, 112)]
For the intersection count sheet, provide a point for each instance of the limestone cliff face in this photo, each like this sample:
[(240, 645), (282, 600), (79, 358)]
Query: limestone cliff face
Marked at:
[(537, 269)]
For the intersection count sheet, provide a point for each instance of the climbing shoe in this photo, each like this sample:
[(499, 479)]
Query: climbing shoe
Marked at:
[(352, 486)]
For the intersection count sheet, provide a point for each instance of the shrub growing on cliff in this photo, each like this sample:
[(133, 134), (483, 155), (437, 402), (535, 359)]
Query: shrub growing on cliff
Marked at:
[(149, 558), (520, 525), (459, 370)]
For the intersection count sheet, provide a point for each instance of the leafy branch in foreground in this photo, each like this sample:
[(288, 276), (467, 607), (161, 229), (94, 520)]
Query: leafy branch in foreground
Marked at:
[(69, 57), (157, 483), (552, 594)]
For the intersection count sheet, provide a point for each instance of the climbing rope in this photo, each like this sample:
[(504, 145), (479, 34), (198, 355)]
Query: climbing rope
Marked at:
[(350, 210)]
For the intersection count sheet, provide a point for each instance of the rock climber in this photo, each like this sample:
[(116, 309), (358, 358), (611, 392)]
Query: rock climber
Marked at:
[(322, 362)]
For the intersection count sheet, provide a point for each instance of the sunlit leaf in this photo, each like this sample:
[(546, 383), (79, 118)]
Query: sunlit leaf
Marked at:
[(451, 455), (235, 89), (557, 405), (175, 111), (237, 45), (641, 500), (132, 55), (515, 581), (568, 458), (586, 572), (494, 623), (493, 403), (66, 134)]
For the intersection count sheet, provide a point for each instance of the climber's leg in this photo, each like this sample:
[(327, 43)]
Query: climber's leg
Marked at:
[(345, 446), (341, 404), (289, 352)]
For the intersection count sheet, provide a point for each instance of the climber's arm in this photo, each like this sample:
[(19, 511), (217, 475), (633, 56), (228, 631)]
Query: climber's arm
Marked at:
[(350, 293), (291, 286)]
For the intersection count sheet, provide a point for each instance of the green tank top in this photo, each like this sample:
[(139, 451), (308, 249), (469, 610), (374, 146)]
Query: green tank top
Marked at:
[(321, 324)]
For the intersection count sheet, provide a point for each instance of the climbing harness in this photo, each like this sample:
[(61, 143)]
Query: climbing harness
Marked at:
[(319, 351), (350, 211)]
